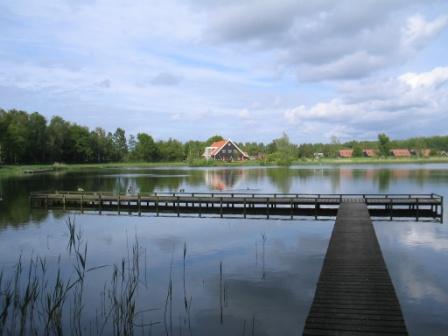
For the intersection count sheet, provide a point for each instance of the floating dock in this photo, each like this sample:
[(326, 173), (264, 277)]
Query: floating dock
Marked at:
[(354, 295), (416, 206)]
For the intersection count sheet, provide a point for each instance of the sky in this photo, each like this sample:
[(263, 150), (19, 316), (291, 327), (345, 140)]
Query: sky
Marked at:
[(248, 70)]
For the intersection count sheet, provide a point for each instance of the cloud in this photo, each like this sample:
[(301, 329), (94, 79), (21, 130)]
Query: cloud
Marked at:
[(386, 104), (166, 78), (435, 77), (311, 68), (325, 40)]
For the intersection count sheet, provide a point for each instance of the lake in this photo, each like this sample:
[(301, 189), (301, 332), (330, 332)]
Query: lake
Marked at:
[(173, 275)]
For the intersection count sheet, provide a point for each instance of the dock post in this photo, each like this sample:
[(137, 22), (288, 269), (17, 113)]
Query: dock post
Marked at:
[(178, 213), (63, 202), (200, 209), (292, 210), (244, 209), (267, 207), (157, 205), (390, 208), (417, 210), (441, 209), (82, 203), (220, 210), (139, 200), (118, 203)]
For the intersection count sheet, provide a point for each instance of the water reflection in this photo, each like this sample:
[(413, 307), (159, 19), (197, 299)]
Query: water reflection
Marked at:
[(314, 179), (269, 268)]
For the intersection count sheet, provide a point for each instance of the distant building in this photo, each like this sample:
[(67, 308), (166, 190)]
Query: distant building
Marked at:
[(318, 156), (345, 153), (369, 152), (421, 152), (224, 150), (400, 152)]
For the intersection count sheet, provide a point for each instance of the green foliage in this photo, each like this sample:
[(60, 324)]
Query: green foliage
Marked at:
[(284, 152), (145, 148), (213, 139), (171, 150), (383, 144), (357, 151)]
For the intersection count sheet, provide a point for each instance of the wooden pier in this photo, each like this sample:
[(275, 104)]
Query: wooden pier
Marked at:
[(354, 295), (416, 206)]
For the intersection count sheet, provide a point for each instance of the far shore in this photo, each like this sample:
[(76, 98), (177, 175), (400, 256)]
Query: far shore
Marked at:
[(6, 170)]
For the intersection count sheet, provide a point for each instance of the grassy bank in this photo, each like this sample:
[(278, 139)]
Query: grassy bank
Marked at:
[(16, 170)]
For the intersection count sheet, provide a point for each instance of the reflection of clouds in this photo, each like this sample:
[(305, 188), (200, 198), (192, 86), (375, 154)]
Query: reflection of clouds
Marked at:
[(416, 255), (420, 285), (427, 238)]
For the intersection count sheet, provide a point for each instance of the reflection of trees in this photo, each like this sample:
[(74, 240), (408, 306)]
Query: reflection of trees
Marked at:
[(15, 208), (282, 178), (335, 179), (383, 177)]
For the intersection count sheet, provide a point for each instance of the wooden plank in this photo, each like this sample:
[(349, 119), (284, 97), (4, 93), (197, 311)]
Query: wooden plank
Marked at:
[(354, 294)]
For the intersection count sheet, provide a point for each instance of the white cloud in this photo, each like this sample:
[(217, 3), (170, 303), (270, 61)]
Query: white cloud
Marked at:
[(418, 30), (435, 77), (386, 104), (327, 39)]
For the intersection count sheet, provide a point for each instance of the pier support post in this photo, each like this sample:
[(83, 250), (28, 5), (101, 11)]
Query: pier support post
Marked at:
[(267, 207), (139, 200), (244, 207)]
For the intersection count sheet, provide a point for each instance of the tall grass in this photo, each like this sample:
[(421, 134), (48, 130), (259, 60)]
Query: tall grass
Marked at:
[(37, 301)]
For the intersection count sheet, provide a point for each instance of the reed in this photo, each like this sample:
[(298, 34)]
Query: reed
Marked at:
[(35, 301)]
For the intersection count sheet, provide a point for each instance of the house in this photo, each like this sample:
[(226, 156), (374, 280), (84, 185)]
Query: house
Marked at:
[(224, 150), (318, 156), (400, 152), (345, 153), (421, 152), (369, 152)]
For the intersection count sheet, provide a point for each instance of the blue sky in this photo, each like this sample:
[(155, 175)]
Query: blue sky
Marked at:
[(246, 69)]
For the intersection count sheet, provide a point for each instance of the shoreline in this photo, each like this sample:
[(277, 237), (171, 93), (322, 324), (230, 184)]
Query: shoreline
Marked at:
[(18, 170)]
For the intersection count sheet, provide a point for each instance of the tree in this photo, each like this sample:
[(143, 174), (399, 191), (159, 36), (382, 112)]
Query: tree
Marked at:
[(57, 139), (285, 151), (357, 150), (384, 144), (213, 139), (37, 137), (145, 148), (120, 145), (171, 150)]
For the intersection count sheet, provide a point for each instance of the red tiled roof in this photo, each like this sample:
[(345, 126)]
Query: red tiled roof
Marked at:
[(346, 153), (217, 145), (400, 152), (369, 152)]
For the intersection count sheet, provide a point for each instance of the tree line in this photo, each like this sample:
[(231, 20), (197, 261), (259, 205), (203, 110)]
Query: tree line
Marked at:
[(27, 138)]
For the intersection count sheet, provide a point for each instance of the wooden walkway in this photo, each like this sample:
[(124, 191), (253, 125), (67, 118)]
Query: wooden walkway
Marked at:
[(354, 295), (243, 204)]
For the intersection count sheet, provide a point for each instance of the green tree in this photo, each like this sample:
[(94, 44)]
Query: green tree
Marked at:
[(57, 139), (285, 151), (37, 137), (357, 150), (120, 145), (384, 144), (145, 148), (171, 150), (213, 139)]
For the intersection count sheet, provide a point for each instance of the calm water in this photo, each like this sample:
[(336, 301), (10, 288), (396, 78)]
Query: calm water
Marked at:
[(241, 276)]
